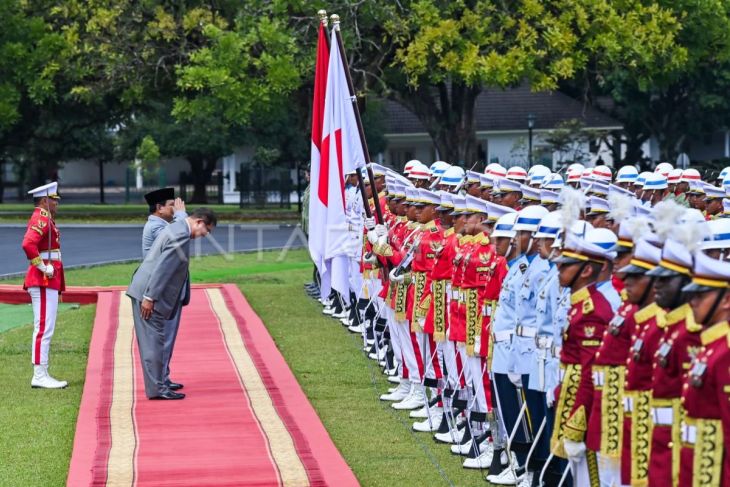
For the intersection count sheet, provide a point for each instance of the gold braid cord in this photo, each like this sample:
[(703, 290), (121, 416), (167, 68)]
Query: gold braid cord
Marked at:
[(419, 286), (612, 411), (400, 302), (707, 462), (472, 319), (592, 461), (439, 310), (641, 429), (566, 399)]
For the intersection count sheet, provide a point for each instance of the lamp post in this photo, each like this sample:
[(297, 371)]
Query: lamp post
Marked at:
[(530, 126)]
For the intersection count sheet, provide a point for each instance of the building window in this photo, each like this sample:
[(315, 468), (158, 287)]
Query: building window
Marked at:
[(399, 157)]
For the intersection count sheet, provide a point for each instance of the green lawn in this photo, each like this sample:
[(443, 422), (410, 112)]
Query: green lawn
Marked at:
[(14, 315), (76, 213), (339, 381)]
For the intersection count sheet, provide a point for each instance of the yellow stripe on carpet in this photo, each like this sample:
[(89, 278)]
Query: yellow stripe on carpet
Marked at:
[(285, 455), (123, 439)]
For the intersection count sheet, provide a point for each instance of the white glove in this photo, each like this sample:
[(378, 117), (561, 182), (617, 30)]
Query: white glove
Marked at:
[(477, 344), (372, 237), (396, 278), (574, 449), (45, 269), (369, 223), (550, 397), (448, 335), (369, 258), (516, 379), (381, 230)]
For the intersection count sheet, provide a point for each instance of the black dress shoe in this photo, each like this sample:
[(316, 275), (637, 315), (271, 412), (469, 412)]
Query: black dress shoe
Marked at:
[(169, 395), (174, 386)]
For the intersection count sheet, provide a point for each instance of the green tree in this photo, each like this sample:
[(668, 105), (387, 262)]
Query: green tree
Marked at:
[(446, 52)]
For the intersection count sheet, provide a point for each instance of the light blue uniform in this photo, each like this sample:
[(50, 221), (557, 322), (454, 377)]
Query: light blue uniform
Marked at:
[(523, 341), (505, 318), (560, 320), (610, 293), (545, 308)]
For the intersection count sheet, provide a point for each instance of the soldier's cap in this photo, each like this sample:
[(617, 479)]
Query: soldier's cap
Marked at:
[(419, 171), (597, 206), (378, 170), (550, 225), (713, 192), (675, 176), (475, 205), (439, 167), (537, 174), (396, 191), (549, 197), (495, 170), (411, 196), (446, 203), (602, 173), (486, 181), (530, 194), (427, 197), (49, 190), (577, 249), (459, 205), (516, 173), (472, 177), (507, 186), (495, 211), (690, 174), (696, 187), (708, 274), (718, 234), (676, 260), (645, 258), (159, 196)]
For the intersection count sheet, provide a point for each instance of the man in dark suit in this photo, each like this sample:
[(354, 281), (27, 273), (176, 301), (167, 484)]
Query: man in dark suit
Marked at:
[(160, 285)]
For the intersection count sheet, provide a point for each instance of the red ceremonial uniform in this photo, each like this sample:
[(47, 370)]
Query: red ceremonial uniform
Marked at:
[(679, 345), (430, 245), (609, 370), (457, 327), (42, 236), (437, 318), (588, 318), (637, 394), (706, 403)]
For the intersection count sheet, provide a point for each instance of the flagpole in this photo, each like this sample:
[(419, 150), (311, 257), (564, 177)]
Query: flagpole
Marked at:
[(378, 211), (323, 19)]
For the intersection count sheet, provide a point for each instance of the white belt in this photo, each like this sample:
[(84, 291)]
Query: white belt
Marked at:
[(628, 404), (543, 342), (689, 433), (51, 255), (455, 295), (525, 331), (598, 378), (448, 288), (502, 336), (662, 416), (556, 351)]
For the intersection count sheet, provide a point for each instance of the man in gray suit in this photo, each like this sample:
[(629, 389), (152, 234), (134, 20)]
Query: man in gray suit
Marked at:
[(160, 285), (164, 209)]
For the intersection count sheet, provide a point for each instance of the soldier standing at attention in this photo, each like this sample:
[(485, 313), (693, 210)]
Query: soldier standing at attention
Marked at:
[(43, 280)]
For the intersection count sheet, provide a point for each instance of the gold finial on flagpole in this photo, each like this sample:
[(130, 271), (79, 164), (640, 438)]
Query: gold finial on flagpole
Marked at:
[(322, 17), (335, 20)]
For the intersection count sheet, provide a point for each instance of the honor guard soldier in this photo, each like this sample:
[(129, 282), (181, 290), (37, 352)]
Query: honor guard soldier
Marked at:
[(679, 344), (44, 280), (705, 427), (579, 267)]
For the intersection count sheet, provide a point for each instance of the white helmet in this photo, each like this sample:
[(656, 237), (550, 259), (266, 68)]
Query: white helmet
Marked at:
[(663, 168), (627, 174), (550, 225), (438, 168), (452, 176), (505, 226), (529, 218), (537, 174)]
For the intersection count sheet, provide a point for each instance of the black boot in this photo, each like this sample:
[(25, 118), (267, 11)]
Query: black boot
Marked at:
[(496, 467)]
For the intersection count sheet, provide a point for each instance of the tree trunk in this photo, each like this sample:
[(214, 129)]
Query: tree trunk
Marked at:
[(201, 169), (447, 112)]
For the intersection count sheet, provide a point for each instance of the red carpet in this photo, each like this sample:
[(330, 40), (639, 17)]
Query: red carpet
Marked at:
[(245, 420)]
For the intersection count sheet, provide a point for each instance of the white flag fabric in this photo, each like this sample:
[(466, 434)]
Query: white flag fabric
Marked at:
[(340, 152)]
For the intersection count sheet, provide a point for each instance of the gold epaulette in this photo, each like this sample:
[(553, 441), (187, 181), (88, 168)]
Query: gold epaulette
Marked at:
[(44, 212), (677, 315), (481, 239), (715, 332), (580, 296), (448, 232), (647, 312)]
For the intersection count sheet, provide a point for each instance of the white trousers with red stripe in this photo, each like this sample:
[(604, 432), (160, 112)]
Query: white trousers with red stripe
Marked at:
[(45, 305)]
